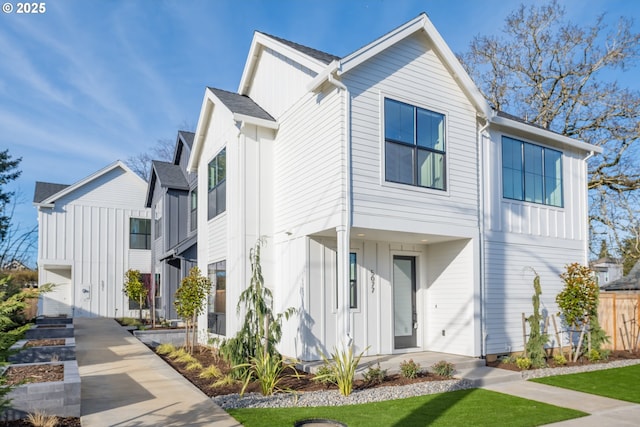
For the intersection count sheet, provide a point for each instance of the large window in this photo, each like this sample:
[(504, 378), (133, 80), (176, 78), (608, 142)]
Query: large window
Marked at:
[(217, 184), (139, 233), (194, 209), (216, 304), (531, 173), (414, 145)]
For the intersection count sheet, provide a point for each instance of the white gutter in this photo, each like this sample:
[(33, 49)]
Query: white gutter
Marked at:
[(243, 118)]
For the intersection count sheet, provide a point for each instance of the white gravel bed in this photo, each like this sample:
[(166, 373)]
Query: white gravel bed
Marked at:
[(333, 398), (548, 372)]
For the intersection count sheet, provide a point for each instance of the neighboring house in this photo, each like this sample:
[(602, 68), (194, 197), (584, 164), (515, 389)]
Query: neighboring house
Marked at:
[(89, 234), (630, 282), (401, 212), (172, 197), (14, 265), (607, 269)]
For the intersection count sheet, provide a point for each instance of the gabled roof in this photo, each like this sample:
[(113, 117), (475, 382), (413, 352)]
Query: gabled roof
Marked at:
[(321, 56), (242, 108), (241, 104), (630, 282), (46, 189), (51, 199), (312, 59), (167, 175), (184, 138)]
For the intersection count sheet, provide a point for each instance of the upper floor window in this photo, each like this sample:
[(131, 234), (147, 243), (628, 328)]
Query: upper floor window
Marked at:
[(139, 233), (157, 220), (531, 173), (193, 208), (414, 145), (217, 184)]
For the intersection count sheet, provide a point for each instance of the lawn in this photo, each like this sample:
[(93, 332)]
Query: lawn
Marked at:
[(616, 383), (475, 407)]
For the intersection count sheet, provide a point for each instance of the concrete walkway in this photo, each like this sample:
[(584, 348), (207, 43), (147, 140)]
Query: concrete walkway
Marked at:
[(123, 383)]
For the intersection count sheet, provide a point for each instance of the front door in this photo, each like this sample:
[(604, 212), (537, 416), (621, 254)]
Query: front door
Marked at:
[(404, 301)]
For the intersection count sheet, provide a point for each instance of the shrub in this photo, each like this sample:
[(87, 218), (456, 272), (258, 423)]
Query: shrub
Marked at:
[(134, 288), (193, 366), (211, 371), (409, 369), (186, 358), (224, 381), (177, 353), (165, 348), (324, 375), (523, 363), (267, 370), (594, 355), (560, 359), (443, 368), (375, 375), (343, 369), (40, 419)]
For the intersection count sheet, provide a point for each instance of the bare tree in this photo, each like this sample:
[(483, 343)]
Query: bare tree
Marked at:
[(551, 72), (19, 242), (141, 163)]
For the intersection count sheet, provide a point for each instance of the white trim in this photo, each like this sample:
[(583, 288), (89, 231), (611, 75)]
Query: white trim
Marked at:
[(49, 201), (269, 124), (536, 132), (261, 40)]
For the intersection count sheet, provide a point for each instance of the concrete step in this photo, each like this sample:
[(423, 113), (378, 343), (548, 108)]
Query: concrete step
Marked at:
[(482, 376)]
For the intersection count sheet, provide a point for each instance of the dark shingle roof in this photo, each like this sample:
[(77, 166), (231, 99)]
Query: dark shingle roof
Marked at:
[(187, 137), (45, 190), (321, 56), (630, 282), (170, 175), (241, 104)]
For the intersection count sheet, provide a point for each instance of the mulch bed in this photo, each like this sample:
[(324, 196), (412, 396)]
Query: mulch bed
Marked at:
[(17, 375), (294, 380), (44, 342), (613, 356)]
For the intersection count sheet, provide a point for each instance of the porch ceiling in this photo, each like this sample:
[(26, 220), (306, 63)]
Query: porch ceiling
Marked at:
[(358, 233)]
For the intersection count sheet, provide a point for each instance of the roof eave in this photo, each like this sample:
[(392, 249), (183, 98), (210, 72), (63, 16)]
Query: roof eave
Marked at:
[(420, 23), (117, 164), (261, 40), (544, 133)]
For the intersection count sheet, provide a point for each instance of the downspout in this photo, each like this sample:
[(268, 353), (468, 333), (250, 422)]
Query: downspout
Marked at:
[(586, 207), (481, 221), (343, 231)]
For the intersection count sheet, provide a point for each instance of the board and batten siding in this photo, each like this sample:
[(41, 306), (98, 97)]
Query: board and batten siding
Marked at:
[(277, 95), (411, 72), (88, 230), (533, 219), (510, 268), (522, 239), (310, 165)]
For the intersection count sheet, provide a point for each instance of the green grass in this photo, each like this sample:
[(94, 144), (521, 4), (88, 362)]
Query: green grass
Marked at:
[(616, 383), (475, 407)]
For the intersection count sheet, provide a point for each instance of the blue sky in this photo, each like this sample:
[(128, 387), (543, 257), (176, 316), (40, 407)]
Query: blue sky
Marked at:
[(92, 81)]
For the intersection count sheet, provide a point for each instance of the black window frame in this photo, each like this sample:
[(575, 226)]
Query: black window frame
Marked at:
[(216, 311), (413, 140), (135, 232), (193, 209), (532, 172), (217, 185)]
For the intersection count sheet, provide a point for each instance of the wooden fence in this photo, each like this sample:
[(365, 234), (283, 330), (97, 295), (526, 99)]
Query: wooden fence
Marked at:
[(619, 315)]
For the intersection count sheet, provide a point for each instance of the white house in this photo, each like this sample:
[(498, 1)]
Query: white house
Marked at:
[(89, 234), (401, 212)]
